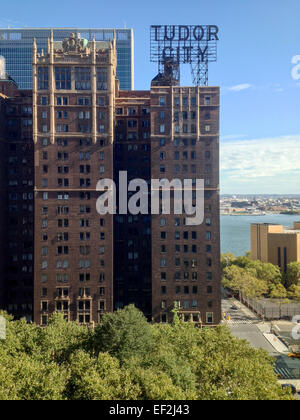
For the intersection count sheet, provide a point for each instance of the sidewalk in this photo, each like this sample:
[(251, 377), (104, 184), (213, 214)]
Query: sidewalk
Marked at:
[(276, 343), (246, 310)]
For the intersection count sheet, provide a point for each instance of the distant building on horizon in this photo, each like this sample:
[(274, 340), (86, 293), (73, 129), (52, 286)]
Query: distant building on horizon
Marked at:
[(275, 244), (16, 48)]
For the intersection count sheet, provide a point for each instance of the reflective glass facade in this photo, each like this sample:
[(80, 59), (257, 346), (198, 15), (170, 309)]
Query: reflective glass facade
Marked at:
[(16, 47)]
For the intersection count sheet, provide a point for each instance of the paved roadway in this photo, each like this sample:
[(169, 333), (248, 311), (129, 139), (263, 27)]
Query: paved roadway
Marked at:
[(243, 324)]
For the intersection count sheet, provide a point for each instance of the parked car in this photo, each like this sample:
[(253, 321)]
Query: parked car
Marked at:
[(295, 355)]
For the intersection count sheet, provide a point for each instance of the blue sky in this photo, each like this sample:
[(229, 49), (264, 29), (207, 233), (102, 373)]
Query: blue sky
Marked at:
[(260, 105)]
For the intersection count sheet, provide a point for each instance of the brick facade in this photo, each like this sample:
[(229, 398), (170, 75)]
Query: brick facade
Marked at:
[(84, 129)]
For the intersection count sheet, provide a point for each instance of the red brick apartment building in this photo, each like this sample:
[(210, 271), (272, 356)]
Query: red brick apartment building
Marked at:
[(75, 128)]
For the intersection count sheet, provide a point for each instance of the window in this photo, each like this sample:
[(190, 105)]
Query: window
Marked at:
[(163, 318), (207, 100), (209, 318), (101, 101), (132, 123), (101, 79), (132, 111), (63, 78), (44, 320), (102, 305), (82, 78), (84, 101), (84, 115), (61, 101), (162, 101), (186, 304), (163, 222), (163, 263), (101, 115), (43, 78), (279, 256)]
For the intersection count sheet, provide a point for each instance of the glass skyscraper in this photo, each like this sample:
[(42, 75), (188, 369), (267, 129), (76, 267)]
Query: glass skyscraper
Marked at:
[(16, 47)]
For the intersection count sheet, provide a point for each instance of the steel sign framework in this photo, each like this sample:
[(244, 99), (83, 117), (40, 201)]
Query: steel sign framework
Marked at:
[(181, 44)]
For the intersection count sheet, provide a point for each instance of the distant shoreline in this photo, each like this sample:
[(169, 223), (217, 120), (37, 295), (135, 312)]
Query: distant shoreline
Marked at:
[(263, 214), (244, 214)]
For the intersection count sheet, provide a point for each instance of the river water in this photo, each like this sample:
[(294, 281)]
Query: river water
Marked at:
[(235, 230)]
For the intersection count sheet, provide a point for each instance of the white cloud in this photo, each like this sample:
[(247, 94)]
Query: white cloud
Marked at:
[(261, 158), (239, 88), (8, 23), (233, 137)]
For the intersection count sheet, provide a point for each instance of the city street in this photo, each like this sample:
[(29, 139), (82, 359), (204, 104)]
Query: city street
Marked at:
[(243, 324)]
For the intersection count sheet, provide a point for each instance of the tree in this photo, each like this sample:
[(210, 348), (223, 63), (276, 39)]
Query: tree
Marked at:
[(254, 287), (278, 294), (229, 369), (269, 273), (227, 260), (123, 334), (233, 278), (244, 282), (223, 367), (175, 361), (99, 378), (62, 338), (294, 293), (24, 378), (292, 276)]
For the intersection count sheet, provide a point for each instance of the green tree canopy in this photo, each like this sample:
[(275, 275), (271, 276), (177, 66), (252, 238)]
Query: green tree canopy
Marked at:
[(124, 334), (292, 276), (126, 358)]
